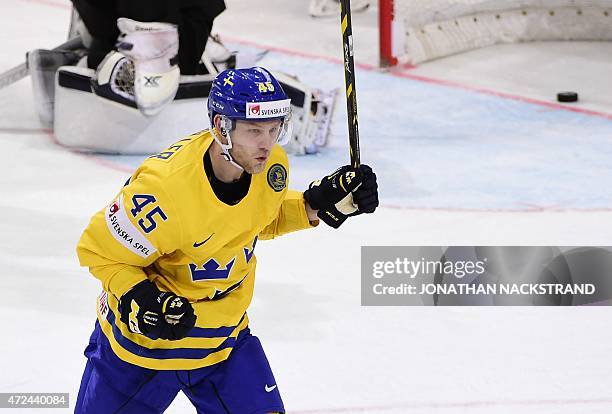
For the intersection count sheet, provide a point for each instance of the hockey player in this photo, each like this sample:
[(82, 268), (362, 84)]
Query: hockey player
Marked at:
[(175, 248)]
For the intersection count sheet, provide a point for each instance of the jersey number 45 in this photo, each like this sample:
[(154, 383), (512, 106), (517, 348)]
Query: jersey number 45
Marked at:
[(147, 223)]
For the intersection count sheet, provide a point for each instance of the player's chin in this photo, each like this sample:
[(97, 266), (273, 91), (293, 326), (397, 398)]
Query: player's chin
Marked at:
[(257, 168), (258, 165)]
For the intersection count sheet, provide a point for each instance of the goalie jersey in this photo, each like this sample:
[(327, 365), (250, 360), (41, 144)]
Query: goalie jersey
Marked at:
[(168, 226)]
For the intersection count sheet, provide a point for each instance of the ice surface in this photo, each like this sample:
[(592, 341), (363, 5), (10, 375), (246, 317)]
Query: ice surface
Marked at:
[(456, 166)]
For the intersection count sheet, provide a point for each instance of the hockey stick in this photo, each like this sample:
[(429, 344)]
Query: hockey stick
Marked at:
[(21, 71), (349, 78)]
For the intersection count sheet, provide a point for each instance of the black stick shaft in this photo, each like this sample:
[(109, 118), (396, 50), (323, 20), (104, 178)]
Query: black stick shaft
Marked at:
[(349, 78)]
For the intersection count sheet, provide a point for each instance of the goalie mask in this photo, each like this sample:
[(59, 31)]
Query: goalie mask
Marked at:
[(247, 95)]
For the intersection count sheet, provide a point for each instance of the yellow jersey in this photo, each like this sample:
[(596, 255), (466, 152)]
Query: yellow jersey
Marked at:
[(168, 226)]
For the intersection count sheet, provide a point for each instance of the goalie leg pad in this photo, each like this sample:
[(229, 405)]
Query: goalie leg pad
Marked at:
[(42, 65), (312, 111), (86, 122)]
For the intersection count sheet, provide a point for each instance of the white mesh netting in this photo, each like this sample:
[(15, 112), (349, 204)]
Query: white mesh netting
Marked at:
[(429, 29)]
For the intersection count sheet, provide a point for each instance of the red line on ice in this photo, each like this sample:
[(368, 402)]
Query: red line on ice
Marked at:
[(92, 157), (402, 72), (23, 131), (293, 52), (457, 85)]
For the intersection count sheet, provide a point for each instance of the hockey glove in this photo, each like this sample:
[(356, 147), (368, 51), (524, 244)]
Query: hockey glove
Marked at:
[(344, 193), (153, 47), (148, 311)]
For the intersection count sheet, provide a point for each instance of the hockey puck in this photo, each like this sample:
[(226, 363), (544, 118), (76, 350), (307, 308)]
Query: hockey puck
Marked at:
[(567, 97)]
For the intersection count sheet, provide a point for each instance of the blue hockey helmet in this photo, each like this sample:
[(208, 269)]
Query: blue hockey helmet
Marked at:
[(251, 94)]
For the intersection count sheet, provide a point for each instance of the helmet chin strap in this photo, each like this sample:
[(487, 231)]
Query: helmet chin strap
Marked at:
[(226, 127)]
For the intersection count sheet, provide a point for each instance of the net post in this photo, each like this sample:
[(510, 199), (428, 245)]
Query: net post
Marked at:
[(385, 37)]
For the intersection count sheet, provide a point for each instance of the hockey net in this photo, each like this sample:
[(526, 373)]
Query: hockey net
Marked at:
[(415, 31)]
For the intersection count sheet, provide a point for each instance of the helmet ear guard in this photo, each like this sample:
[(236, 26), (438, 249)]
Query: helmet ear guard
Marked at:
[(227, 125)]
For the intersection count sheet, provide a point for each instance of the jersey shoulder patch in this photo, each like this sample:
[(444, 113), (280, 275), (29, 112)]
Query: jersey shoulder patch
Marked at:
[(277, 171), (277, 177)]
